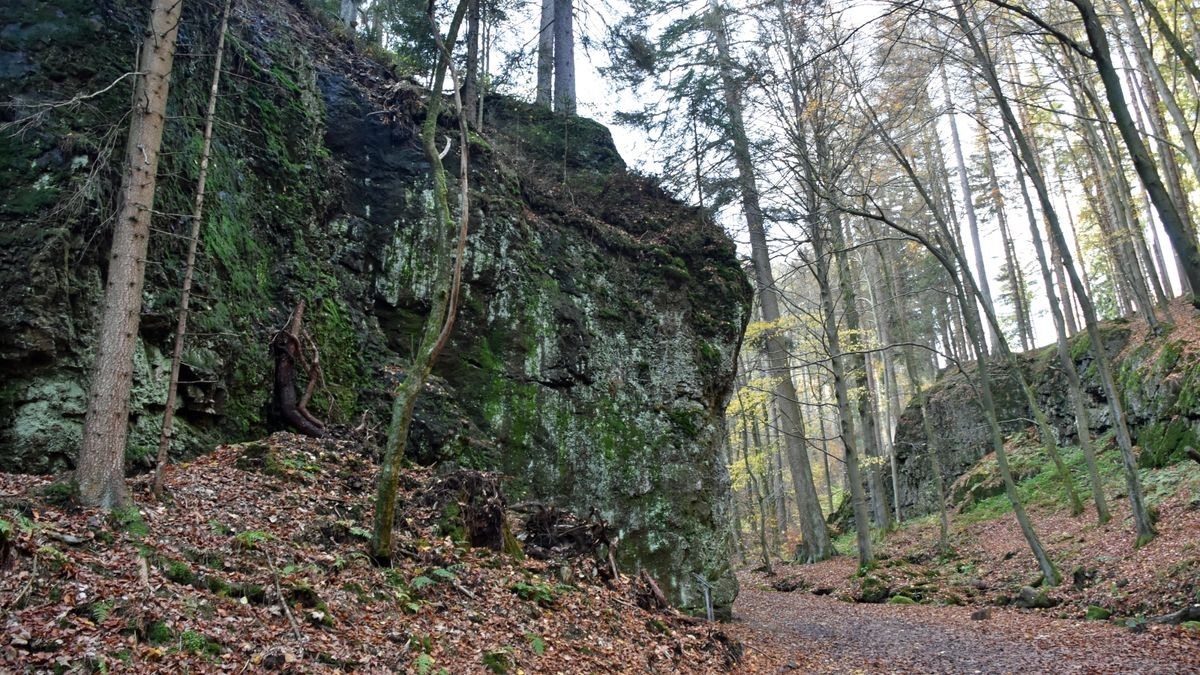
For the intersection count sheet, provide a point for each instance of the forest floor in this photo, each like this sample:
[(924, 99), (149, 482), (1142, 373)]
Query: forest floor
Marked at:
[(257, 562), (918, 610), (806, 633)]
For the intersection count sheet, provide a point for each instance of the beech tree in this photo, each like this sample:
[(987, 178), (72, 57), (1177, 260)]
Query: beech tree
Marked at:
[(100, 474)]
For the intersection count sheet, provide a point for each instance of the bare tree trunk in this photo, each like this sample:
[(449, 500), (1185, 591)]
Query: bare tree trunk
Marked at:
[(739, 547), (564, 57), (470, 87), (821, 253), (967, 293), (545, 56), (1012, 272), (884, 309), (968, 202), (1074, 386), (812, 523), (164, 440), (1142, 518), (445, 289), (348, 13), (100, 475)]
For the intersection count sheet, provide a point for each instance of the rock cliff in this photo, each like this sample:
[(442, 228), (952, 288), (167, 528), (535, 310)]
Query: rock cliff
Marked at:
[(601, 319), (1159, 378)]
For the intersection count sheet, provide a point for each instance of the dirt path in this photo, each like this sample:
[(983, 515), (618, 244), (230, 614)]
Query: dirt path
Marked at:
[(806, 633)]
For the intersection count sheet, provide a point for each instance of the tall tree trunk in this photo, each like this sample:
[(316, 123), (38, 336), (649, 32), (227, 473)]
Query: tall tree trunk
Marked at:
[(855, 368), (812, 523), (348, 12), (739, 547), (1142, 518), (884, 309), (164, 439), (545, 56), (968, 202), (100, 475), (1182, 238), (1049, 441), (1074, 386), (822, 249), (968, 294), (1012, 272), (564, 57), (470, 87)]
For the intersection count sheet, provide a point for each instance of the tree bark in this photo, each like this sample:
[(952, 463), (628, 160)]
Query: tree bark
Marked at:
[(545, 56), (564, 57), (470, 87), (968, 203), (348, 13), (100, 475)]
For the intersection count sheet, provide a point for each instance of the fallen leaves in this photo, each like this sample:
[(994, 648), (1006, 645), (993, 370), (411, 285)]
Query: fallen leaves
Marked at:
[(262, 565)]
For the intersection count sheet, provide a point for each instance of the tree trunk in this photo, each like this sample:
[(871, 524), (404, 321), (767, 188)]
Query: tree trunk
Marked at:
[(968, 202), (348, 12), (100, 475), (1183, 239), (470, 87), (1012, 271), (164, 440), (1142, 519), (545, 56), (564, 57), (812, 523), (443, 296), (1074, 386)]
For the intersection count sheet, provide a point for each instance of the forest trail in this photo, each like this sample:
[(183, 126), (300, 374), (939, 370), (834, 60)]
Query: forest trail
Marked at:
[(805, 633)]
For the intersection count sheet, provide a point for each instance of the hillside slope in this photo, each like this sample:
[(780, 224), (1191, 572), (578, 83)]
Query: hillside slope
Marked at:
[(258, 563)]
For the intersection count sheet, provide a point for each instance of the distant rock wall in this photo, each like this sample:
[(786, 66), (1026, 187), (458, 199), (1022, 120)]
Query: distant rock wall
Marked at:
[(1159, 380), (599, 328)]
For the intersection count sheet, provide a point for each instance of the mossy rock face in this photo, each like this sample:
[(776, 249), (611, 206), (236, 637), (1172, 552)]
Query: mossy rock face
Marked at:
[(595, 346), (1158, 379)]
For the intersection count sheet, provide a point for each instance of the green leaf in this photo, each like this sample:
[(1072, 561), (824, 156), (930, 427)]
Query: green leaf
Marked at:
[(421, 582), (424, 664), (445, 574)]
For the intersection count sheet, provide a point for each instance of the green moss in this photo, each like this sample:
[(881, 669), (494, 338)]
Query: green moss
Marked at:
[(157, 633), (1097, 613), (1163, 443), (179, 572), (199, 644), (130, 520)]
